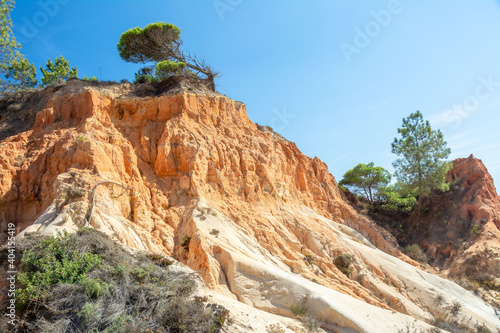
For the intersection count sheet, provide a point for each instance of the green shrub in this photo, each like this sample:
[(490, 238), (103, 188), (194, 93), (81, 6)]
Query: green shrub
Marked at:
[(87, 313), (167, 68), (120, 269), (415, 252), (53, 261), (95, 288), (144, 76), (343, 263), (394, 200), (185, 243), (163, 302), (140, 274), (299, 310), (160, 260), (308, 258), (90, 79), (214, 232)]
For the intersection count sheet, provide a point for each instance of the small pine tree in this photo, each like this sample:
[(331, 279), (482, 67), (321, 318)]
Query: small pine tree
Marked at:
[(57, 70), (9, 48), (23, 73), (367, 178)]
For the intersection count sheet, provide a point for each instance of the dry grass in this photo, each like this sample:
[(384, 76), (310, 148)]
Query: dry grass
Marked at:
[(128, 293)]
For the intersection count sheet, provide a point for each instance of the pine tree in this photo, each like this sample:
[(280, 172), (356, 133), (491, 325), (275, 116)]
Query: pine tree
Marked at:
[(422, 164), (366, 178), (57, 70), (23, 73), (9, 47), (159, 43)]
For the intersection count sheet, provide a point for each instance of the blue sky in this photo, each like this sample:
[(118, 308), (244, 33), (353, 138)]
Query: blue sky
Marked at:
[(336, 77)]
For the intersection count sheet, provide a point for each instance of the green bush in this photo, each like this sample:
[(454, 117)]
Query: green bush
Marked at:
[(95, 288), (396, 201), (308, 258), (141, 77), (415, 252), (87, 313), (140, 274), (185, 243), (343, 263), (90, 79), (53, 261), (299, 310), (160, 260), (107, 298)]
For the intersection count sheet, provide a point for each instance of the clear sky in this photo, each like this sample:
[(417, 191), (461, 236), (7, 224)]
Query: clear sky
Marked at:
[(337, 77)]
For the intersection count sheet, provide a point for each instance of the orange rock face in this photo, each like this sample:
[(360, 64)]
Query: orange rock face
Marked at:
[(171, 150), (480, 204), (462, 223), (204, 185)]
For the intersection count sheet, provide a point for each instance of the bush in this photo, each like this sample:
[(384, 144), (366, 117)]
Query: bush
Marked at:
[(455, 308), (299, 310), (308, 258), (415, 252), (87, 313), (90, 79), (54, 261), (394, 200), (160, 260), (95, 288), (140, 274), (103, 295), (275, 328), (185, 243), (343, 263)]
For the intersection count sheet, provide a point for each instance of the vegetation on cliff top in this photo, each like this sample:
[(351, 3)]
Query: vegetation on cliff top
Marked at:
[(18, 73), (159, 45)]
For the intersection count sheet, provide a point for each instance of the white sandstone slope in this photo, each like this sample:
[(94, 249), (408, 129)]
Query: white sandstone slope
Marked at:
[(257, 278)]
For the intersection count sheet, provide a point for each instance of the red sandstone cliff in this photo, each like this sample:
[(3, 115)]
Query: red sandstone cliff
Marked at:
[(242, 207)]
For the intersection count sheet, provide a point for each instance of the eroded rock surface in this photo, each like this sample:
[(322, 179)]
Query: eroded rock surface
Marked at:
[(259, 221)]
